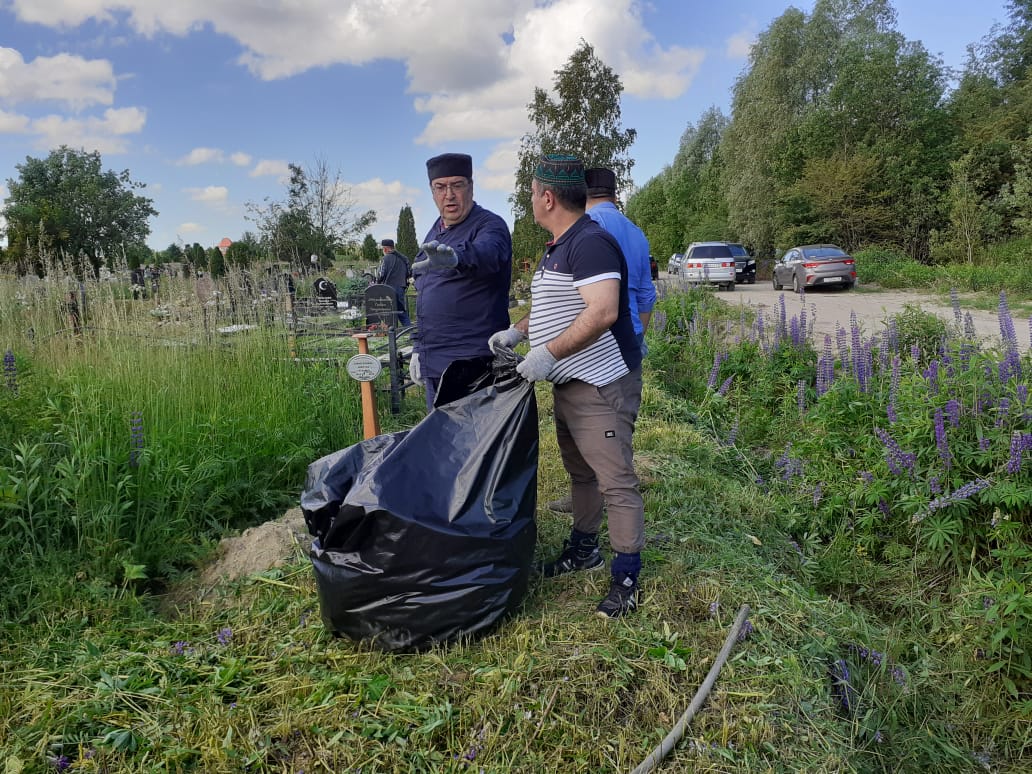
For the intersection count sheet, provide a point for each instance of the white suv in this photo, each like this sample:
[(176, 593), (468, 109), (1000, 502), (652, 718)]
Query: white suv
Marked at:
[(709, 263)]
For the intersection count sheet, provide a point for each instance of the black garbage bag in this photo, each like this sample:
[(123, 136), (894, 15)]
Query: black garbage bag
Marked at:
[(426, 535)]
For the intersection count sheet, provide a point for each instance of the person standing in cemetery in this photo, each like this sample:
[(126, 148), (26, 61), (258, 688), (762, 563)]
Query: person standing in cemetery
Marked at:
[(583, 341), (394, 271), (641, 294), (462, 275)]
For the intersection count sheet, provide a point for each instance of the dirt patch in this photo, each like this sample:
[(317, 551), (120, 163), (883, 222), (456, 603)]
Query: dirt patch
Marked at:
[(256, 550)]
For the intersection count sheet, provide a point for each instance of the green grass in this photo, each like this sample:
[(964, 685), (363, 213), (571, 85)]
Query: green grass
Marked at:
[(94, 668)]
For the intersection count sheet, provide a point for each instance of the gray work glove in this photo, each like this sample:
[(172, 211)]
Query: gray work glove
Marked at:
[(502, 343), (537, 365), (438, 256), (414, 371)]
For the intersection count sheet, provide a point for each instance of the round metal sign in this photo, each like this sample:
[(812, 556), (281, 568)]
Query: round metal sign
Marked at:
[(364, 368)]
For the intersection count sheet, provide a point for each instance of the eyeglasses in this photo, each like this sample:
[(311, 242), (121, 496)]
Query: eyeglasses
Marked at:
[(457, 188)]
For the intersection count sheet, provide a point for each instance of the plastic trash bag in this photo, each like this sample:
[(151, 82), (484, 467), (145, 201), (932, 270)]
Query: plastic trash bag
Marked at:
[(427, 535)]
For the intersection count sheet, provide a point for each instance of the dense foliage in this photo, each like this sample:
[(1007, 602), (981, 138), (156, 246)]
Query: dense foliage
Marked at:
[(68, 206), (843, 131), (407, 243), (583, 119)]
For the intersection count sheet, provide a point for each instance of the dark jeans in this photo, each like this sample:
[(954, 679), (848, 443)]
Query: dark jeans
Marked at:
[(403, 317)]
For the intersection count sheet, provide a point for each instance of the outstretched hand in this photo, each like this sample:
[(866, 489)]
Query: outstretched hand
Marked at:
[(438, 256)]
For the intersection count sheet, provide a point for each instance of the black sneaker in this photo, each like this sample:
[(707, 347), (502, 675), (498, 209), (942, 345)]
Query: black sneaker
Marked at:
[(622, 598), (572, 559)]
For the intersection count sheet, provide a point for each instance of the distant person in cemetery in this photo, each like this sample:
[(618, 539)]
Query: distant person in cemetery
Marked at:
[(394, 271)]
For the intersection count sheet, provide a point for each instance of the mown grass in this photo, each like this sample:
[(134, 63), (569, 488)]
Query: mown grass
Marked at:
[(96, 678)]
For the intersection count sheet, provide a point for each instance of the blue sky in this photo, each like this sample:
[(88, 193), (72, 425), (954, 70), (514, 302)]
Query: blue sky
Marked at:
[(206, 101)]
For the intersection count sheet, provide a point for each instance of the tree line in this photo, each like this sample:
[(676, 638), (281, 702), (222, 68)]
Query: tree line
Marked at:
[(842, 130)]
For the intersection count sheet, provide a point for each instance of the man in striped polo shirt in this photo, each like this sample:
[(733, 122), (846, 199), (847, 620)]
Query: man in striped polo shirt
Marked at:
[(582, 340)]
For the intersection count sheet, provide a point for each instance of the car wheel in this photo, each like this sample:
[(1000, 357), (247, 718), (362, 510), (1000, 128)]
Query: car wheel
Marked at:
[(849, 285), (730, 286), (752, 280), (774, 281), (795, 283)]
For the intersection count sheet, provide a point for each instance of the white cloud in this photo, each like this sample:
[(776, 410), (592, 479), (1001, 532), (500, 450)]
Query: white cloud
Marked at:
[(12, 123), (65, 78), (104, 134), (387, 198), (212, 194), (499, 168), (240, 159), (471, 80), (201, 156), (281, 169), (740, 44), (190, 228)]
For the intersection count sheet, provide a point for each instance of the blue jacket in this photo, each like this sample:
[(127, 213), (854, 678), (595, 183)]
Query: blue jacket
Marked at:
[(635, 247), (458, 309)]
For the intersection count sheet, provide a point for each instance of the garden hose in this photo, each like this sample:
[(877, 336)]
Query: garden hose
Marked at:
[(670, 741)]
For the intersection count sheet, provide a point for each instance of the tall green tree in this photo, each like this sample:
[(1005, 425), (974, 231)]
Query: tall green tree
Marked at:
[(68, 204), (318, 216), (216, 263), (407, 243), (580, 116), (371, 250)]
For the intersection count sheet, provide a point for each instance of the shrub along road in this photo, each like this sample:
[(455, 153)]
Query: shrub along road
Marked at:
[(872, 306)]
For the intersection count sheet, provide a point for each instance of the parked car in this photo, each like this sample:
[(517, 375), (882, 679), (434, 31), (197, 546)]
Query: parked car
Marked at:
[(708, 263), (745, 264), (815, 265), (674, 264)]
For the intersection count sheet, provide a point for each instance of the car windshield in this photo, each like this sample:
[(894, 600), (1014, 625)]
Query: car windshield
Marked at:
[(738, 251), (711, 251), (824, 252)]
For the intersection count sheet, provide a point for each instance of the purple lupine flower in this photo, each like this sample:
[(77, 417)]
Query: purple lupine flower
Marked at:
[(733, 435), (883, 350), (854, 328), (952, 410), (890, 409), (1021, 392), (962, 493), (759, 326), (915, 352), (983, 444), (714, 608), (179, 648), (966, 350), (11, 372), (955, 303), (894, 336), (818, 492), (1016, 453), (726, 385), (899, 676), (745, 631), (934, 485), (61, 763), (801, 396), (1010, 339), (969, 327), (1010, 365), (897, 459), (932, 375), (659, 320), (135, 438), (884, 508), (841, 689), (224, 636), (718, 358), (1003, 409), (782, 327), (867, 476), (941, 442)]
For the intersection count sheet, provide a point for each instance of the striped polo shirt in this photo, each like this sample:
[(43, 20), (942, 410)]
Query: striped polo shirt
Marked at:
[(584, 254)]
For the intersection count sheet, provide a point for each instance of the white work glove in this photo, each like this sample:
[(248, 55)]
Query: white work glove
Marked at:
[(414, 371), (501, 343), (438, 257), (537, 365)]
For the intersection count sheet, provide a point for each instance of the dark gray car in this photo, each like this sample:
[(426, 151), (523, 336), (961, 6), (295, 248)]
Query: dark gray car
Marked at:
[(815, 266)]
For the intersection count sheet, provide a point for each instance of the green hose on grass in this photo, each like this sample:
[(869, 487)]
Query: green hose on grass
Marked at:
[(670, 741)]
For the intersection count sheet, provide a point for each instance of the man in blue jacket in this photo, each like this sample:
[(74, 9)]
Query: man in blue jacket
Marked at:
[(462, 275)]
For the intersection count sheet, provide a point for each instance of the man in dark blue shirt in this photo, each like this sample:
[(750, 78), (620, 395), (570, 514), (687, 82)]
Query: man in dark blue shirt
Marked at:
[(462, 275), (394, 271)]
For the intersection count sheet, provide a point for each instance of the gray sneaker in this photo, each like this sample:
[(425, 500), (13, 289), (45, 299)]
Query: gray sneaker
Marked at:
[(622, 597), (573, 559), (562, 505)]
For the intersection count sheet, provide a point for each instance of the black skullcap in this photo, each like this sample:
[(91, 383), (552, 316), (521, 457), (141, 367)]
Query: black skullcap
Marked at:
[(560, 170), (449, 165), (386, 243), (600, 182)]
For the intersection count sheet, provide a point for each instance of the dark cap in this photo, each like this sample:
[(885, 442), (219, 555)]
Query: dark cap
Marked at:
[(600, 181), (386, 243), (561, 170), (449, 165)]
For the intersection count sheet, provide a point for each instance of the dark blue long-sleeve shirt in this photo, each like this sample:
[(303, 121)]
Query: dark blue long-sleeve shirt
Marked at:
[(458, 309)]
